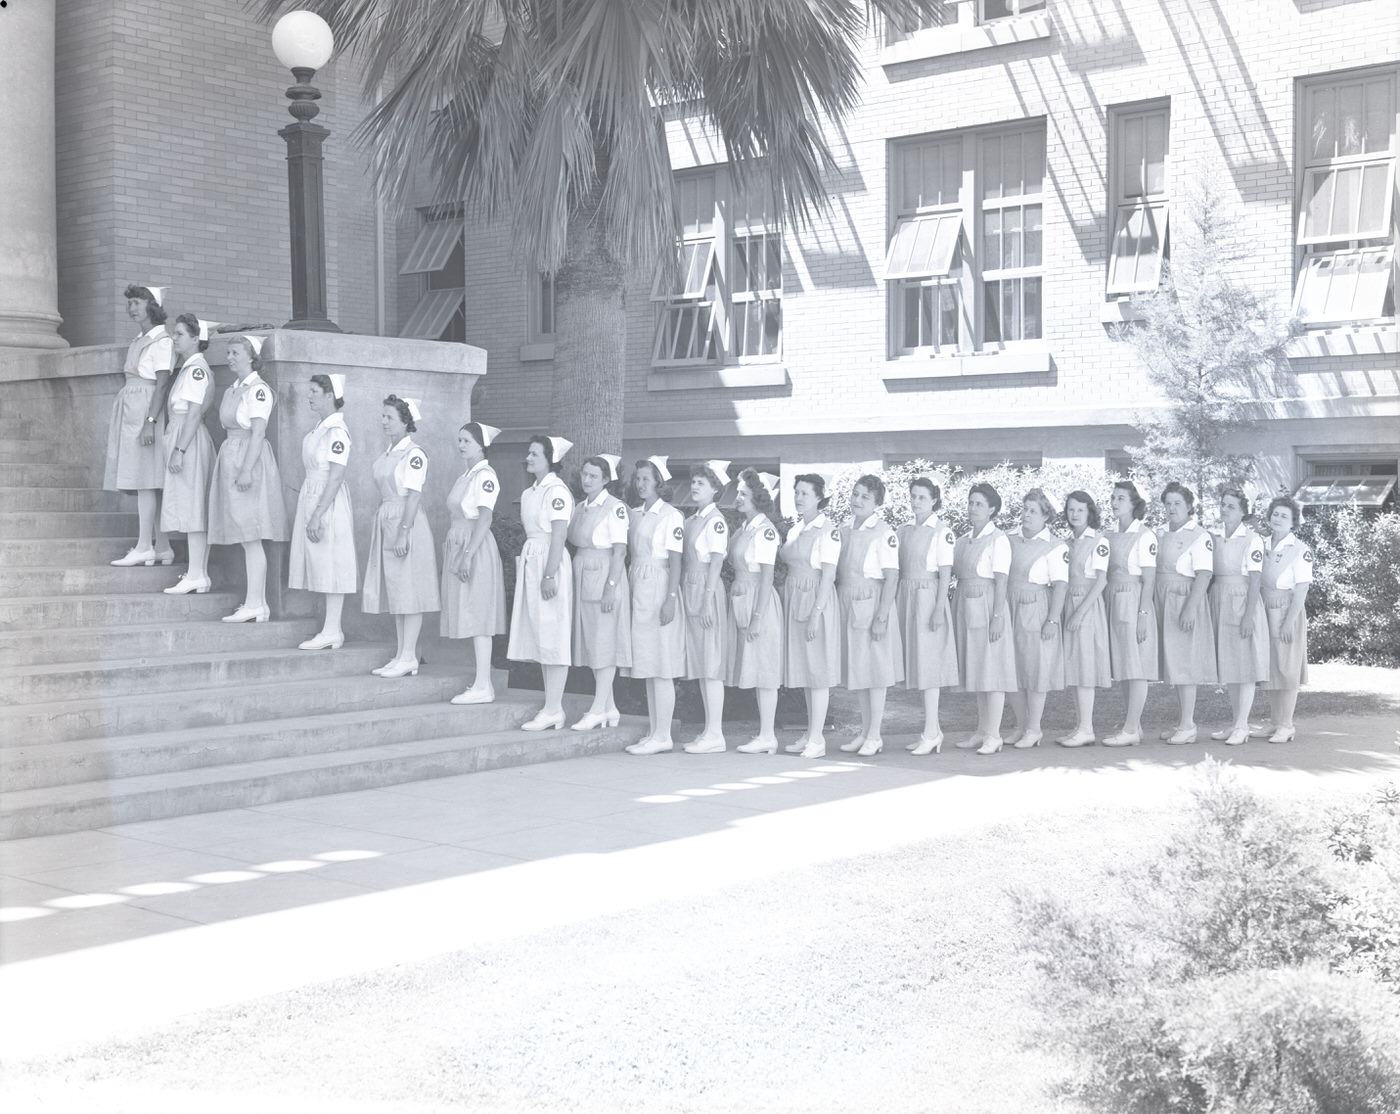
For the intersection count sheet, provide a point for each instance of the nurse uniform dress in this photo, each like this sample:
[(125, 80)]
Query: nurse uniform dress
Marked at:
[(132, 466), (1286, 565), (706, 540), (328, 565), (1129, 552), (540, 629), (1036, 564), (869, 553), (477, 608), (654, 533), (259, 513), (1238, 661), (930, 656), (983, 665), (1086, 653), (184, 504), (814, 664), (756, 664), (602, 639), (405, 585), (1188, 657)]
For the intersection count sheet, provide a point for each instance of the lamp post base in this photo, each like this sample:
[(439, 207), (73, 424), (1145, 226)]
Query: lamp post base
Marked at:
[(314, 324)]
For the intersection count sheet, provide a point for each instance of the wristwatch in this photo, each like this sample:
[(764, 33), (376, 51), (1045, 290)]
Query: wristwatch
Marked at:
[(150, 420), (612, 583)]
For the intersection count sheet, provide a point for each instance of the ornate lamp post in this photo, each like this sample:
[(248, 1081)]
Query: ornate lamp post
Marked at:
[(303, 43)]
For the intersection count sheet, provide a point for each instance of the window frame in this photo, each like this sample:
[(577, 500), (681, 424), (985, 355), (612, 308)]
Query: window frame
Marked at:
[(1122, 206), (539, 309), (442, 285)]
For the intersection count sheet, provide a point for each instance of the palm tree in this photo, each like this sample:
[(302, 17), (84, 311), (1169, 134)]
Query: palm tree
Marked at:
[(549, 114)]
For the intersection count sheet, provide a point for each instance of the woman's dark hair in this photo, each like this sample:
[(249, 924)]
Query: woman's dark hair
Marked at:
[(1175, 488), (1086, 500), (405, 415), (989, 493), (191, 324), (473, 430), (546, 447), (1239, 497), (1037, 496), (762, 501), (818, 486), (708, 474), (154, 310), (611, 486), (1293, 509), (1139, 503), (932, 488), (874, 485), (634, 496), (324, 382)]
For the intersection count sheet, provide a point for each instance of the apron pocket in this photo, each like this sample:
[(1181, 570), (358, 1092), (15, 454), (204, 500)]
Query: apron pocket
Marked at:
[(976, 612), (804, 598), (741, 604), (1124, 606), (592, 581), (1031, 616), (862, 613)]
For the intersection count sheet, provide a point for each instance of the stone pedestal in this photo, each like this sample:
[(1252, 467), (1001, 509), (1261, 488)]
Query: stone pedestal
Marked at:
[(28, 213)]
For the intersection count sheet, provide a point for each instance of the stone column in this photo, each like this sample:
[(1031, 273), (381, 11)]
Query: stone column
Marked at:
[(28, 209)]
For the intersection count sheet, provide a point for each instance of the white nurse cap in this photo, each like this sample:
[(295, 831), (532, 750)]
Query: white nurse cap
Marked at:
[(413, 411), (255, 343), (770, 483), (720, 468), (157, 292), (337, 384), (207, 327), (488, 434), (558, 446), (613, 461), (659, 463)]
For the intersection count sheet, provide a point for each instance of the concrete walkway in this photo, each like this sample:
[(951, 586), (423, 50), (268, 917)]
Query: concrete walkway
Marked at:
[(108, 932)]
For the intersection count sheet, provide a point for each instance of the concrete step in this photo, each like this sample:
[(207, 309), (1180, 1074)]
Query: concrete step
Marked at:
[(18, 452), (64, 499), (124, 800), (68, 524), (67, 551), (35, 766), (51, 645), (115, 611), (85, 680), (46, 472), (16, 428), (109, 716), (21, 581)]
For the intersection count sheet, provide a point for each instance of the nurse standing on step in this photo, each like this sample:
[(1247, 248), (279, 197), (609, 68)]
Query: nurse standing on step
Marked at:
[(1237, 613), (541, 621), (1086, 619), (1185, 561), (602, 598), (245, 494), (473, 581), (706, 610), (323, 529), (656, 537), (136, 456), (926, 548), (981, 622), (756, 657), (184, 504), (1288, 565), (1037, 584), (401, 576)]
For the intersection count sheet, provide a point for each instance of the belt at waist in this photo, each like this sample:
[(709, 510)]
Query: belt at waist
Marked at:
[(919, 581), (1276, 597), (1117, 579), (1175, 581), (1230, 578)]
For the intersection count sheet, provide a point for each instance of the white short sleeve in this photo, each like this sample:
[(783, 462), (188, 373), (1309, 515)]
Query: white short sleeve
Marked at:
[(192, 386), (257, 402), (155, 358), (1097, 564), (888, 548), (1057, 564), (764, 548), (940, 550), (1201, 555), (413, 470), (1302, 564), (613, 529), (1253, 560), (557, 504), (827, 548), (338, 446), (713, 539), (672, 530), (1142, 554), (485, 489), (1001, 555)]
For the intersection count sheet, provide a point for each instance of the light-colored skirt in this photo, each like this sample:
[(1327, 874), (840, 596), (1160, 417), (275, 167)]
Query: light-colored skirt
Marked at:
[(1040, 662), (1238, 661), (184, 504), (541, 629), (657, 651), (328, 565), (405, 585), (1086, 653), (756, 663), (930, 656), (705, 650), (1188, 657), (477, 608), (815, 663), (867, 662), (1129, 659), (1288, 661), (132, 466), (983, 665), (245, 516), (601, 638)]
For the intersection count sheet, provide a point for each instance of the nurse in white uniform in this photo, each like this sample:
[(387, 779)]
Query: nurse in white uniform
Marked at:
[(136, 456), (602, 598), (706, 609), (1237, 613), (756, 657), (1288, 571), (812, 653), (1185, 563), (981, 617), (655, 540), (1037, 584), (926, 547), (1132, 619), (322, 557), (184, 504), (541, 621), (1086, 619)]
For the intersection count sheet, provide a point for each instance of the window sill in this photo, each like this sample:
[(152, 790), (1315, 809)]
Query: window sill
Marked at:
[(1118, 311), (1346, 340), (937, 42), (1010, 361), (712, 378), (534, 353)]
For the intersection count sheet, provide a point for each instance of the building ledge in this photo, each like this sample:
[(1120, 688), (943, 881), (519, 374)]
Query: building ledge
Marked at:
[(535, 353), (937, 42), (1030, 359), (1117, 311), (704, 379), (1374, 340)]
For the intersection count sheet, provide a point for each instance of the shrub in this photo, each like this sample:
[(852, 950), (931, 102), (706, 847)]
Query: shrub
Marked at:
[(1354, 603), (1365, 906)]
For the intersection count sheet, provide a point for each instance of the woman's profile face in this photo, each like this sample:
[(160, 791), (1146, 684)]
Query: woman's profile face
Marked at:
[(804, 498), (743, 499), (390, 422), (979, 511), (185, 343), (591, 479), (645, 479), (317, 400), (467, 448), (1122, 504), (136, 309), (536, 463), (240, 358)]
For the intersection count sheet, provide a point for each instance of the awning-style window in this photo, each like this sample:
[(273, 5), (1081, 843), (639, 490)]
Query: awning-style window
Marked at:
[(433, 247), (1364, 491), (923, 247), (433, 314)]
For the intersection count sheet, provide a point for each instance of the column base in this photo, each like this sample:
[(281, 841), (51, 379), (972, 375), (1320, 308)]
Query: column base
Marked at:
[(314, 324), (31, 330)]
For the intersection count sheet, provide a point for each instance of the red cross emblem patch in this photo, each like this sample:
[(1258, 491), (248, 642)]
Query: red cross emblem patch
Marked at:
[(261, 396), (337, 447), (197, 374), (415, 462), (488, 486), (558, 504)]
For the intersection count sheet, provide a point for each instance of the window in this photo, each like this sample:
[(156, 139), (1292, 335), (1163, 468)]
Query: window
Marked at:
[(685, 331), (953, 13), (438, 254), (1366, 482), (680, 481), (540, 309), (1137, 198), (943, 13), (990, 10), (949, 193), (1346, 206), (756, 278)]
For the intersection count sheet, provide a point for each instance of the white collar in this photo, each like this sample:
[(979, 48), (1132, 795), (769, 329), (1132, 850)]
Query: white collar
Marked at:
[(597, 500), (1187, 525), (932, 521), (704, 511), (656, 505), (547, 479), (1043, 536), (987, 529), (334, 418), (1287, 539), (871, 523), (478, 466), (756, 521), (818, 522), (401, 445), (1134, 527), (246, 380), (1228, 534), (154, 331), (1088, 533)]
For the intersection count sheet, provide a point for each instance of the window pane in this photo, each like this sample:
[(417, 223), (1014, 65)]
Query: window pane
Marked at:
[(1011, 309), (740, 278), (991, 238), (1011, 238), (1318, 204), (997, 9), (772, 326), (1345, 198), (1032, 236), (1156, 143), (1011, 165), (910, 165), (991, 167), (1035, 161), (991, 307), (1133, 158), (1374, 191), (947, 314), (1323, 129), (705, 205), (1380, 115), (1349, 121), (1031, 293), (912, 296), (774, 254)]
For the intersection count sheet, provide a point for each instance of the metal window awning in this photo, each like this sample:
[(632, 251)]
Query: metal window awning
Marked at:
[(1363, 491), (433, 248), (433, 313), (923, 247)]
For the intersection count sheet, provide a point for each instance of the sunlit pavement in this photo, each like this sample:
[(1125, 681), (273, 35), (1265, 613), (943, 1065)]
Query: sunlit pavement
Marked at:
[(109, 932)]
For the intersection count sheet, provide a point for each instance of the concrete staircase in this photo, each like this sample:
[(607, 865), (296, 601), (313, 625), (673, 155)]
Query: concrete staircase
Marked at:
[(119, 703)]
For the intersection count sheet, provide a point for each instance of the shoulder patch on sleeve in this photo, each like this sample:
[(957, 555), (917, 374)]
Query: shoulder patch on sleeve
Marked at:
[(1152, 549), (1307, 556), (948, 537), (620, 511), (678, 533), (1256, 555), (769, 535), (1101, 549), (892, 542), (835, 535), (1066, 553), (415, 461), (197, 374), (261, 395), (558, 503), (337, 447), (488, 486), (719, 526), (1210, 545)]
